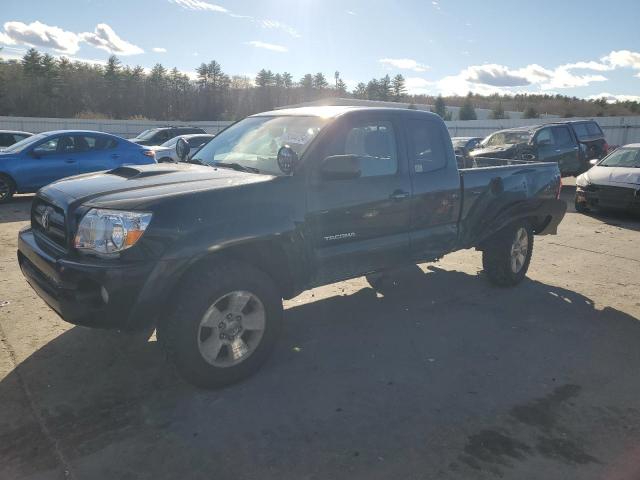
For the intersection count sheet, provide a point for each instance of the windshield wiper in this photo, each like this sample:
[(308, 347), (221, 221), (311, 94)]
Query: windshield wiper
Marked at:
[(236, 166)]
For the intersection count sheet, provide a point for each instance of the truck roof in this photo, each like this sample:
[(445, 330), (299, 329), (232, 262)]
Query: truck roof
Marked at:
[(335, 111)]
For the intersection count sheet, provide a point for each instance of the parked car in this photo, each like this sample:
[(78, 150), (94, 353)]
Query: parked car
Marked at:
[(283, 201), (41, 159), (462, 146), (545, 143), (167, 151), (9, 137), (157, 136), (591, 138), (613, 183)]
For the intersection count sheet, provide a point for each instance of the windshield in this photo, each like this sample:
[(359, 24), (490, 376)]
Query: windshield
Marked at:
[(254, 142), (622, 157), (507, 138), (22, 144), (459, 142), (147, 134)]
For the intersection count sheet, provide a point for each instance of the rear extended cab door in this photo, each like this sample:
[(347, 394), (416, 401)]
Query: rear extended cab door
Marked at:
[(435, 182), (567, 150), (360, 225)]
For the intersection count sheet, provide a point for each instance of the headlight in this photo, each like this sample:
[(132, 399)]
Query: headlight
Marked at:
[(582, 181), (110, 231)]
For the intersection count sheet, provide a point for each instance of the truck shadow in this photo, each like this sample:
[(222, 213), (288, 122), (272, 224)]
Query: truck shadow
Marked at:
[(363, 382)]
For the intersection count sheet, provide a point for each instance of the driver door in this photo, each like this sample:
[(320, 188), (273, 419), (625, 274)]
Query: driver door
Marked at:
[(360, 225)]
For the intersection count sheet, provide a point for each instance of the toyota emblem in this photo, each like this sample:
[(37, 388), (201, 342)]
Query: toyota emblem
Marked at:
[(44, 220)]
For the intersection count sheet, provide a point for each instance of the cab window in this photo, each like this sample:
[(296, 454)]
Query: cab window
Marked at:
[(427, 146), (374, 143)]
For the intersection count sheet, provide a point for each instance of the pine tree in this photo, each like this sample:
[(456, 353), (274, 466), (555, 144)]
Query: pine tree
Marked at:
[(399, 88), (530, 112), (467, 112), (498, 112), (439, 107)]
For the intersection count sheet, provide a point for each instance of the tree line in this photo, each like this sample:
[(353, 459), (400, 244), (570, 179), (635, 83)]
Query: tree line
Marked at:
[(40, 85)]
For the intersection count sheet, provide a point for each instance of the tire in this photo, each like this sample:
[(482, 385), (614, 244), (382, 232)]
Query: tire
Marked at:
[(209, 318), (498, 261), (580, 207), (7, 189)]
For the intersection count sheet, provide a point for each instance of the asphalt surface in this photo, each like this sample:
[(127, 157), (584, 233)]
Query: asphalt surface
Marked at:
[(441, 376)]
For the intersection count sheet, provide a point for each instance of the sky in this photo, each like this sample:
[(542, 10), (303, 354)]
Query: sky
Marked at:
[(582, 48)]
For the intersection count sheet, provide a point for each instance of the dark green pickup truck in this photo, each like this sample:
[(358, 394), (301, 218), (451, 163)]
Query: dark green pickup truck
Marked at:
[(281, 202)]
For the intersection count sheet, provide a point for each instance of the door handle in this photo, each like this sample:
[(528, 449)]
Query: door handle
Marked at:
[(70, 160), (558, 151), (115, 155), (399, 195)]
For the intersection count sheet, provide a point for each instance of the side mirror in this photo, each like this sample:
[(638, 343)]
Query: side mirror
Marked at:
[(182, 149), (340, 167), (287, 159), (594, 161), (34, 154)]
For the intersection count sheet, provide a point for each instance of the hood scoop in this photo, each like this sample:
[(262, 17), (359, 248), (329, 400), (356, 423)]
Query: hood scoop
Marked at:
[(137, 172)]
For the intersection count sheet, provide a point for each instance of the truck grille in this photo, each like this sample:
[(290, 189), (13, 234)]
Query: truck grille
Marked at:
[(49, 220)]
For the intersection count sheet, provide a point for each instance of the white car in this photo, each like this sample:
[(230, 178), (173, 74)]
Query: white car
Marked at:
[(613, 183), (167, 151)]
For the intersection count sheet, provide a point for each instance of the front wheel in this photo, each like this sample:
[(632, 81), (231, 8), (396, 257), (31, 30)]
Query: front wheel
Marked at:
[(7, 189), (225, 324), (580, 207), (507, 256)]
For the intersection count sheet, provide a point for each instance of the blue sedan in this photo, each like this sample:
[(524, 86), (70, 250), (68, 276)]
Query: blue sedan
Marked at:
[(41, 159)]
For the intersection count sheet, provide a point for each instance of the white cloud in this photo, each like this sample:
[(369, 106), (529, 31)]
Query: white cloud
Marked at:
[(159, 49), (350, 12), (6, 39), (106, 39), (267, 46), (623, 58), (418, 86), (404, 64), (436, 4), (611, 98), (37, 34), (199, 5), (274, 24)]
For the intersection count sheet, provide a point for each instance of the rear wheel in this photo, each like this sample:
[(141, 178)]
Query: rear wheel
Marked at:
[(507, 256), (7, 188), (225, 324)]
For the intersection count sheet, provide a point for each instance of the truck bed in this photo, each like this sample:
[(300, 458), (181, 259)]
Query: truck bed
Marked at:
[(491, 187)]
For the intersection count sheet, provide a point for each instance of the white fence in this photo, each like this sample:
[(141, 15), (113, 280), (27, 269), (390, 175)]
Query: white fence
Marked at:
[(122, 128), (618, 130)]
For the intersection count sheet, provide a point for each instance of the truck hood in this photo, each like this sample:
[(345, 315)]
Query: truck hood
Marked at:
[(140, 184), (497, 151), (612, 176)]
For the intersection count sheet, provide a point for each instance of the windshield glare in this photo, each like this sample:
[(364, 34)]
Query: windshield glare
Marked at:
[(22, 144), (147, 134), (507, 138), (254, 142), (622, 157)]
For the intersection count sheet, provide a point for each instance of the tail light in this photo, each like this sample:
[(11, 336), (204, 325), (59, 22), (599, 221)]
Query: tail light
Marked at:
[(559, 189), (149, 153)]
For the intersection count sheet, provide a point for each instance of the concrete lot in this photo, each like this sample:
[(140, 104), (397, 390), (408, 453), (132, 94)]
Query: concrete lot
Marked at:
[(443, 377)]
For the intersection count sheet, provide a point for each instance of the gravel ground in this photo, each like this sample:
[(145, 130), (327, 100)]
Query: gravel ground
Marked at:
[(444, 376)]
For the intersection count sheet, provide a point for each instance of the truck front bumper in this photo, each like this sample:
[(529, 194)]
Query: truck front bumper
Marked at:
[(86, 292)]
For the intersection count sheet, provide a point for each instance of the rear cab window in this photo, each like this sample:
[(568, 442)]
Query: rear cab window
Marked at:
[(426, 146)]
